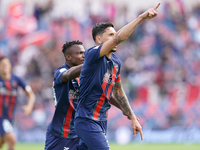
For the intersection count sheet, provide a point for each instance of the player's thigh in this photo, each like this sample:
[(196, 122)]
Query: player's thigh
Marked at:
[(6, 131), (5, 126), (92, 134), (54, 143)]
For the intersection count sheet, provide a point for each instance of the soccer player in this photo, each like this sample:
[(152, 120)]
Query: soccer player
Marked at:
[(60, 131), (9, 84), (99, 78)]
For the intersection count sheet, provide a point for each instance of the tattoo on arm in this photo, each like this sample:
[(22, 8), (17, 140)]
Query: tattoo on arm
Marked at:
[(121, 98), (117, 40)]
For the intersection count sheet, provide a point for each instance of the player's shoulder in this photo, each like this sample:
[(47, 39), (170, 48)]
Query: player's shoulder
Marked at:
[(62, 69), (16, 77), (115, 59), (92, 49)]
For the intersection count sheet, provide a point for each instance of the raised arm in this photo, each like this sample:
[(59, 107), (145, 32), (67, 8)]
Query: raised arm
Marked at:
[(72, 73), (125, 106), (127, 30)]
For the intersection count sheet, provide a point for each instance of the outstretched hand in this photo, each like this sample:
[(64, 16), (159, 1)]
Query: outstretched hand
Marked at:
[(150, 13), (136, 128)]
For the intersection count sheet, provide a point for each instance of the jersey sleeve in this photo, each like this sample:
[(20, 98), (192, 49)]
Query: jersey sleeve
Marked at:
[(92, 54), (58, 75), (21, 83)]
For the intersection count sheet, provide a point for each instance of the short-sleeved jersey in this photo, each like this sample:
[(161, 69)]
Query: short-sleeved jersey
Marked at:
[(8, 95), (97, 80), (66, 99)]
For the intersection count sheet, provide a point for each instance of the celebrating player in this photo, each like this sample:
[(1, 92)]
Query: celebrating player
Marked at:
[(100, 76), (60, 132), (9, 84)]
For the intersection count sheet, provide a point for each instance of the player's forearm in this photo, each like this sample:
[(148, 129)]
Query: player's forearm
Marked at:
[(114, 102), (124, 103), (31, 99), (127, 30), (72, 73)]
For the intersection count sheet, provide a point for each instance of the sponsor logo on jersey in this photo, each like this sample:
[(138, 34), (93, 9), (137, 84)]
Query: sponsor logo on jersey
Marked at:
[(108, 78), (73, 94), (4, 91)]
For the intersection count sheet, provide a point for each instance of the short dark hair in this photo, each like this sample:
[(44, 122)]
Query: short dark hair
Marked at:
[(99, 28), (3, 57), (67, 45)]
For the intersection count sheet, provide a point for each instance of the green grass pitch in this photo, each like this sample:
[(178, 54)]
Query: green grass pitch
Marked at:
[(114, 146)]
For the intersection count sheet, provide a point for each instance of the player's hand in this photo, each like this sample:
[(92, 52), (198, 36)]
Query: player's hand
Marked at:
[(27, 110), (136, 128), (150, 13)]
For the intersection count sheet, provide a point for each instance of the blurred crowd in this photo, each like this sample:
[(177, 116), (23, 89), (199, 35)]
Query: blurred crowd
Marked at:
[(160, 60)]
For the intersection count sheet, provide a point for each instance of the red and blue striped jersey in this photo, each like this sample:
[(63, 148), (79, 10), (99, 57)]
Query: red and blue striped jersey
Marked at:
[(97, 80), (66, 99), (8, 95)]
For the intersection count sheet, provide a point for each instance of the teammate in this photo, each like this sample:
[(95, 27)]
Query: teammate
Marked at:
[(60, 131), (9, 84), (100, 76)]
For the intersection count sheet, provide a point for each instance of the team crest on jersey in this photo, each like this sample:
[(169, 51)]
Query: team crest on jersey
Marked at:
[(116, 67)]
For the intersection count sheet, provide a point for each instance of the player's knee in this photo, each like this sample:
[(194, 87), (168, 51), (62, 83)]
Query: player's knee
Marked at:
[(1, 142), (1, 145), (12, 141)]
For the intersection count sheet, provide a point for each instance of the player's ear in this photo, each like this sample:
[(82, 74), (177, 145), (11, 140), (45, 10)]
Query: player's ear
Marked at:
[(98, 40), (68, 57)]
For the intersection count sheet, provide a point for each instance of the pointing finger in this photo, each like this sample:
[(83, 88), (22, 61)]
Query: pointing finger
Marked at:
[(134, 132), (141, 134), (156, 6)]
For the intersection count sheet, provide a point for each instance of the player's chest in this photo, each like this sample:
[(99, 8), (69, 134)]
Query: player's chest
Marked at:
[(74, 89), (8, 87)]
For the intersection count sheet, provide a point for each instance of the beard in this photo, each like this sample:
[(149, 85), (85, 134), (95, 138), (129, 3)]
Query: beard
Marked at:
[(113, 50)]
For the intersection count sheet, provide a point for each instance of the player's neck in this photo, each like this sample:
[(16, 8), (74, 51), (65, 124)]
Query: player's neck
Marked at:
[(69, 64), (5, 76), (109, 55)]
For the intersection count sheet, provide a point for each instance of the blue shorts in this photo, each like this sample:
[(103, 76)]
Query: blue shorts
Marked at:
[(56, 143), (92, 133), (5, 126)]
